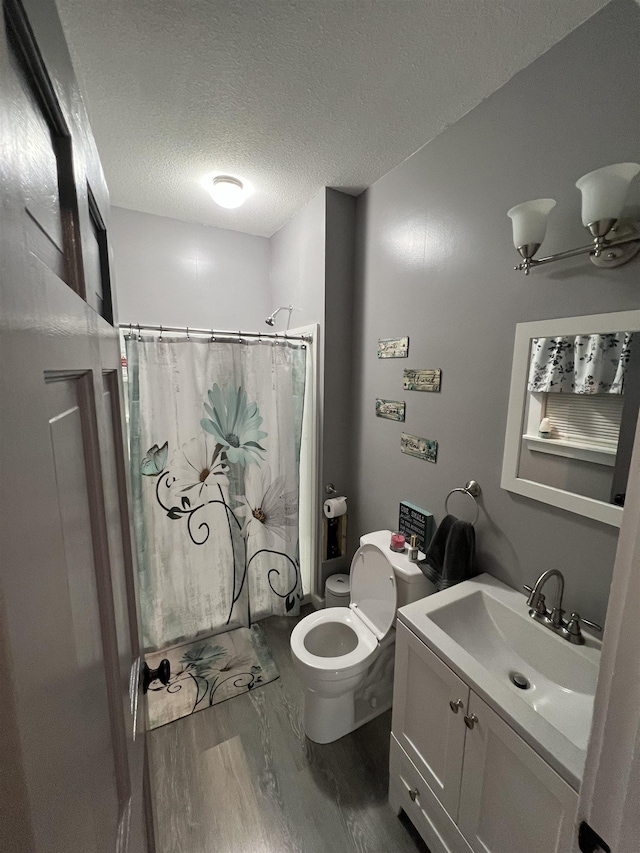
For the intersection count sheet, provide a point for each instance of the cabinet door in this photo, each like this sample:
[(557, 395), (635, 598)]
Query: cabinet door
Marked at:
[(430, 729), (510, 798)]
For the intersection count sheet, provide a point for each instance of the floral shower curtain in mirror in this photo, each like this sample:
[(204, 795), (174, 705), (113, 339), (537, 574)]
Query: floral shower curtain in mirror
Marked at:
[(584, 364), (215, 431)]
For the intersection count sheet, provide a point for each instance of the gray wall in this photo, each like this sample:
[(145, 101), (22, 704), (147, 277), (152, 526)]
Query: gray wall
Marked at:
[(297, 265), (434, 261), (338, 344), (312, 260), (181, 274)]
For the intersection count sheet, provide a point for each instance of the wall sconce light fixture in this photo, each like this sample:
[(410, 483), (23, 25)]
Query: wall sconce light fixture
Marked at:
[(615, 241)]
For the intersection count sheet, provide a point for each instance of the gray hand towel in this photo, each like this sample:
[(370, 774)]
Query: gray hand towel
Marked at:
[(450, 557)]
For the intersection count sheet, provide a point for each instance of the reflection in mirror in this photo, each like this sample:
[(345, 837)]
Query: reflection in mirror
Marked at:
[(573, 408), (585, 386)]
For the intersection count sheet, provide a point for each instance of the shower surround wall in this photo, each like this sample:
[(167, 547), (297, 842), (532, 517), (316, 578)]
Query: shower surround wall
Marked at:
[(175, 272), (184, 274), (435, 262)]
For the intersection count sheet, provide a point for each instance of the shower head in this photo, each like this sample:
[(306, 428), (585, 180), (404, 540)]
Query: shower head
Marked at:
[(271, 319)]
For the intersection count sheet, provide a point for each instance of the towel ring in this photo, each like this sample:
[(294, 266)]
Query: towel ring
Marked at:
[(472, 489)]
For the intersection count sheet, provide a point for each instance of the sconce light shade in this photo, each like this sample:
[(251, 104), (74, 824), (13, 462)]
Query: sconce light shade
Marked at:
[(529, 222), (227, 191), (604, 192)]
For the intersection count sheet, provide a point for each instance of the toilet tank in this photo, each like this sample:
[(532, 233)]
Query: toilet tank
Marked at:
[(411, 584)]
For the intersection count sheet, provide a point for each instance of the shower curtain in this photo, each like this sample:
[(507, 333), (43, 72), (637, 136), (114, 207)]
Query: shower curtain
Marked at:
[(215, 431)]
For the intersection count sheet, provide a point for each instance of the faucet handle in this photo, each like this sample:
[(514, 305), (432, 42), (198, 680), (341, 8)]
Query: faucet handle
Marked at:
[(535, 600), (538, 604), (593, 625), (574, 634), (573, 628), (531, 600)]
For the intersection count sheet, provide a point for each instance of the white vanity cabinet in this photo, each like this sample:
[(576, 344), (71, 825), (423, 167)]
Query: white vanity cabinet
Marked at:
[(480, 789)]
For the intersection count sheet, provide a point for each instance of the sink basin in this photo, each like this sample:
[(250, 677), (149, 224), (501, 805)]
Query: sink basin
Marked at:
[(543, 685)]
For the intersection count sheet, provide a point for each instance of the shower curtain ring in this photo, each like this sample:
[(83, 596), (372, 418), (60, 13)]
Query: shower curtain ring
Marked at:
[(188, 338), (213, 338), (160, 338), (130, 331), (139, 333)]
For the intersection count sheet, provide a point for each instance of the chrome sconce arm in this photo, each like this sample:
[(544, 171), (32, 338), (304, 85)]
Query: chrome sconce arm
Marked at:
[(605, 252), (604, 191)]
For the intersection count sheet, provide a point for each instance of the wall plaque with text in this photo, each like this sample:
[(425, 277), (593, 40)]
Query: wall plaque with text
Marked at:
[(415, 520)]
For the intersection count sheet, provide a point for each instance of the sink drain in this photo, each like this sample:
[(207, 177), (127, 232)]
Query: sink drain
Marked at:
[(521, 681)]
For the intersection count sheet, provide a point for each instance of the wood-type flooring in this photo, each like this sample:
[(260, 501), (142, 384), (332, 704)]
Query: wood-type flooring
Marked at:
[(241, 777)]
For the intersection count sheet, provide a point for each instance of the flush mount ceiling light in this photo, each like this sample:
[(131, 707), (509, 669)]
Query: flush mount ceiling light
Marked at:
[(604, 193), (227, 191)]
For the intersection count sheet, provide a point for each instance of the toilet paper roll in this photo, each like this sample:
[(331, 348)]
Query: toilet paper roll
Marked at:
[(335, 507)]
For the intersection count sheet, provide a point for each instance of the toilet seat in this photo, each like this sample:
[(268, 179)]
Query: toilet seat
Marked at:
[(374, 596), (370, 615), (334, 667)]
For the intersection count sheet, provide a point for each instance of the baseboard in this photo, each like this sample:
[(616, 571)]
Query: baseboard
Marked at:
[(316, 601)]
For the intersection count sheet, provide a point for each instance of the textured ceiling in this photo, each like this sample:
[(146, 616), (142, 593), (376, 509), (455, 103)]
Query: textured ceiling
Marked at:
[(290, 95)]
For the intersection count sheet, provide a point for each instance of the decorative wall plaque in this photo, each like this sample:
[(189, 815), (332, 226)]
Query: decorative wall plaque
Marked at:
[(394, 410), (393, 347), (422, 380), (421, 448), (413, 519)]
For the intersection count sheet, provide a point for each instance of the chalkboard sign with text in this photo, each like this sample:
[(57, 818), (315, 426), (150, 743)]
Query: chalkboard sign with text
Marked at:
[(418, 521)]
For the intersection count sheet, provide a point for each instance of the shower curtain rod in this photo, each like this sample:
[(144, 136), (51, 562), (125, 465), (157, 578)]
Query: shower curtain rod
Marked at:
[(138, 328)]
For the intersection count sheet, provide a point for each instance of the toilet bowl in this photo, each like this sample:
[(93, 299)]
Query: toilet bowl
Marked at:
[(345, 654)]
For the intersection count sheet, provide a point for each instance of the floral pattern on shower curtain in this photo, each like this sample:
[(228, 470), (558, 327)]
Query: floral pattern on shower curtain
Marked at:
[(215, 430)]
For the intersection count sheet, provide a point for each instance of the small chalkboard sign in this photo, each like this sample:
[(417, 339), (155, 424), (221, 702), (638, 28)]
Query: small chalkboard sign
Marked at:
[(415, 520)]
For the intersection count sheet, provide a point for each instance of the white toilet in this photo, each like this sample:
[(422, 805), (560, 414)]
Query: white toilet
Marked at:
[(345, 655)]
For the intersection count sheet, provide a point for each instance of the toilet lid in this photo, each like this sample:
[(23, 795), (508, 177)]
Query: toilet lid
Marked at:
[(373, 589)]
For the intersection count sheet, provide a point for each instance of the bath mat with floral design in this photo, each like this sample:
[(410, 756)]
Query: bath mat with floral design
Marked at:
[(209, 671)]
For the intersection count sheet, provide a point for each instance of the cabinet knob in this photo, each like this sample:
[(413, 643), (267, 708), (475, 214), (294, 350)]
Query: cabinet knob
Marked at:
[(456, 705), (470, 720), (413, 793)]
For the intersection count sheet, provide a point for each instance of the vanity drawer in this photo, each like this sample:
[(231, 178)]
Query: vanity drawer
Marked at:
[(410, 793)]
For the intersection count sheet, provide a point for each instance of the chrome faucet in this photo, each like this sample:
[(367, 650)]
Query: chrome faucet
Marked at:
[(569, 630), (536, 600)]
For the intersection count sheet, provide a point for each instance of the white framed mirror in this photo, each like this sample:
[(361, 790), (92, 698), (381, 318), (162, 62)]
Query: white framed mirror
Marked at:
[(579, 461)]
